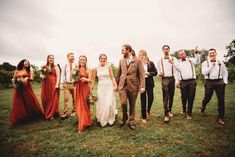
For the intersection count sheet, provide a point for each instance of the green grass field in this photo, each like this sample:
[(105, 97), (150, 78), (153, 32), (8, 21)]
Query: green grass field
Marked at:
[(201, 136)]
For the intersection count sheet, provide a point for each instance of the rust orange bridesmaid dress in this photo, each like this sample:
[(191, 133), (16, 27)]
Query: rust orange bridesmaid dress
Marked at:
[(50, 95), (81, 91), (25, 105)]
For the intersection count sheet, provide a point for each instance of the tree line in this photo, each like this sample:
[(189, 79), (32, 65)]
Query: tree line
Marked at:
[(7, 70)]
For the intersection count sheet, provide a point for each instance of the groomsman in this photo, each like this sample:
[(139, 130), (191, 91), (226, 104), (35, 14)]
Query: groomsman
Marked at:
[(186, 79), (68, 84), (166, 72), (216, 76), (130, 80)]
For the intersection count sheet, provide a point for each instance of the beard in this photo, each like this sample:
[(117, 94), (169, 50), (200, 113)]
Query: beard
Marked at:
[(125, 55)]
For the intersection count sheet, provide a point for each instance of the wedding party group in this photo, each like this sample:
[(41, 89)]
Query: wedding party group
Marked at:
[(135, 74)]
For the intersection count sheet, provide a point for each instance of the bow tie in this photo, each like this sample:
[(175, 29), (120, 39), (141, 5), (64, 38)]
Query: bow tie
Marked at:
[(183, 59), (166, 57), (213, 60)]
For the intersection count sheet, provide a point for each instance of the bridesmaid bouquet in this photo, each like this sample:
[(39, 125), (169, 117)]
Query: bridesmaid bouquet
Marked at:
[(91, 99), (45, 70), (75, 76), (17, 82)]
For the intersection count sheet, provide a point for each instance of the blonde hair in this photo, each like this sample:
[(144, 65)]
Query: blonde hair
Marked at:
[(70, 53), (144, 53)]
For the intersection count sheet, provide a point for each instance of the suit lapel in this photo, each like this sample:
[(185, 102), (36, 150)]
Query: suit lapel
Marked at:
[(130, 65)]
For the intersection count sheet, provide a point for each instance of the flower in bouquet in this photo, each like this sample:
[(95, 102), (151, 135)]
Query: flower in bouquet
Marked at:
[(45, 70), (17, 82), (75, 76), (91, 99)]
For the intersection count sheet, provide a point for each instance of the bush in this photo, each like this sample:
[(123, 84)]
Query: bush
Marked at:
[(6, 78)]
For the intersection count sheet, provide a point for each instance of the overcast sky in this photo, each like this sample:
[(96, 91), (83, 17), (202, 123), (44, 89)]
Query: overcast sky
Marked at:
[(35, 28)]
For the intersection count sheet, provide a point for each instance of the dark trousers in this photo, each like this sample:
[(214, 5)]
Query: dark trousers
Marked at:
[(168, 90), (219, 87), (125, 95), (149, 93), (188, 91)]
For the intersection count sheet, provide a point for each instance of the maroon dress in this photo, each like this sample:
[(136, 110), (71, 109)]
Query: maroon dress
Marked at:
[(25, 105)]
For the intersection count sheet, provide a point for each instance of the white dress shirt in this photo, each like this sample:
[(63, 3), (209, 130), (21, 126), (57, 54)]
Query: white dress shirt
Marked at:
[(145, 69), (129, 59), (163, 66), (66, 72), (185, 69), (213, 72)]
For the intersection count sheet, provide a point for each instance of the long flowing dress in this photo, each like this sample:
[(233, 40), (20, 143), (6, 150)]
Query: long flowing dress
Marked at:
[(106, 104), (50, 95), (81, 92), (25, 105)]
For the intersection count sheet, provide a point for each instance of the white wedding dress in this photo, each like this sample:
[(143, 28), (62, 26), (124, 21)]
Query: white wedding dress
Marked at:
[(106, 104)]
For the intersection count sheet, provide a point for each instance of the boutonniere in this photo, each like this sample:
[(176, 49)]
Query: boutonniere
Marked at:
[(132, 61)]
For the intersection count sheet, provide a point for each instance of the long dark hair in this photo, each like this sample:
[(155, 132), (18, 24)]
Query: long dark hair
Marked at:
[(20, 65), (48, 61)]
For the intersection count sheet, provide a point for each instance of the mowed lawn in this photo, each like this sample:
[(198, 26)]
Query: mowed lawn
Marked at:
[(201, 136)]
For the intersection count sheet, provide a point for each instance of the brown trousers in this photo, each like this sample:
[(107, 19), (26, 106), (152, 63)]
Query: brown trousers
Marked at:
[(125, 95), (168, 91), (188, 91), (68, 90), (219, 87)]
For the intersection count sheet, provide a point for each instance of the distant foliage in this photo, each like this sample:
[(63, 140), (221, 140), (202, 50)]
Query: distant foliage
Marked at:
[(230, 63), (36, 71), (6, 74)]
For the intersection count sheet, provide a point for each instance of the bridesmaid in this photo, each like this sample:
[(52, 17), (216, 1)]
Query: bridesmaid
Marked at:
[(81, 91), (50, 89), (150, 71), (25, 105)]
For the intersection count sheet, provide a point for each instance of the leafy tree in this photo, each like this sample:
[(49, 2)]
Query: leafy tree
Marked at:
[(230, 56), (7, 66)]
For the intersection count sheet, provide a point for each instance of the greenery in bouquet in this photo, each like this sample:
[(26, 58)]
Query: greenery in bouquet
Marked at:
[(75, 76), (45, 70), (91, 99), (17, 82)]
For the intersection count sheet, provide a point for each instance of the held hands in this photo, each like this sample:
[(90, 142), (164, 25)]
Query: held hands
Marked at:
[(142, 90), (115, 88), (177, 85), (57, 85)]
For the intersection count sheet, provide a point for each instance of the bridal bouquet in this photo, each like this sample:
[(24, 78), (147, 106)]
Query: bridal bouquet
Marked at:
[(91, 99), (17, 82), (75, 76), (45, 70)]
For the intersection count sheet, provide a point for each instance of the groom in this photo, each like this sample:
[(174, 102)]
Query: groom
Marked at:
[(130, 80)]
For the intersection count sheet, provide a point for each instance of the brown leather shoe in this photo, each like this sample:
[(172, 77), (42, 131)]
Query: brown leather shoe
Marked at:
[(221, 121), (166, 119), (189, 117), (73, 114), (65, 115), (132, 126)]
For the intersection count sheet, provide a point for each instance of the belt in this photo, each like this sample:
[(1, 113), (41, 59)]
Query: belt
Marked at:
[(69, 82), (188, 80), (168, 77), (213, 80)]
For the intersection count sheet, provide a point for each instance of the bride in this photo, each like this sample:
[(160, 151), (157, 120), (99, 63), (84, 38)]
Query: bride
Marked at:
[(107, 86)]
